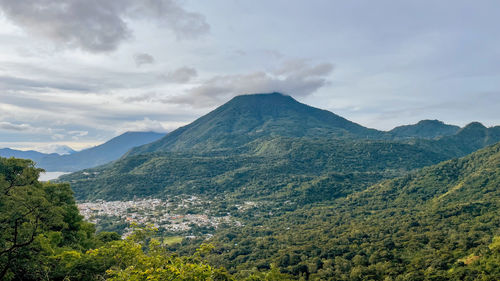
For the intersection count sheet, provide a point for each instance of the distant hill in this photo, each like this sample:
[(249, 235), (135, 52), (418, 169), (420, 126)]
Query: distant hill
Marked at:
[(468, 139), (425, 129), (98, 155), (29, 154), (249, 117), (472, 137)]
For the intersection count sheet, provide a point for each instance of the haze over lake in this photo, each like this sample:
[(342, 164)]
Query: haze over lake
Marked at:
[(47, 176)]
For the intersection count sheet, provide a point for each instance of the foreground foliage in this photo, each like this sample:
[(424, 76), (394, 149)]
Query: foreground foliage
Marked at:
[(43, 237), (35, 218)]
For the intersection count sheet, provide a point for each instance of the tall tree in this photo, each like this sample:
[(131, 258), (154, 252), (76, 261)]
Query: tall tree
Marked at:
[(31, 214)]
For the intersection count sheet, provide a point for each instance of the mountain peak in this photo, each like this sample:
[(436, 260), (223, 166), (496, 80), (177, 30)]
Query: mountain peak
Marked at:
[(269, 97), (262, 95), (427, 129), (430, 122), (475, 126), (262, 102), (248, 117)]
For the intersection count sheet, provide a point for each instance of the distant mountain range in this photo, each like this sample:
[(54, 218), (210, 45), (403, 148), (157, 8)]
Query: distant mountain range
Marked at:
[(29, 154), (87, 158)]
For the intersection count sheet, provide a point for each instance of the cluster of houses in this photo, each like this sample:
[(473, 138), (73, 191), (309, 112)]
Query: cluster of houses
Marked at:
[(157, 212)]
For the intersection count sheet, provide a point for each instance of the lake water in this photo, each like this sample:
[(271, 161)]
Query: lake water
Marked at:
[(51, 175)]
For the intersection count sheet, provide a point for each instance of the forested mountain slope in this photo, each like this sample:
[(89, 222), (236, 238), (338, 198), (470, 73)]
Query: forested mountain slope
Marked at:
[(262, 168), (471, 138), (249, 117), (435, 224)]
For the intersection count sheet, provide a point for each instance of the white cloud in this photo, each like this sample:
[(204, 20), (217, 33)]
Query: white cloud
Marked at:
[(144, 125), (297, 78), (78, 133)]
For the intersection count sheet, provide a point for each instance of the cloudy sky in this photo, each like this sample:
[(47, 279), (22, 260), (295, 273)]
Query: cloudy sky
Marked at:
[(79, 72)]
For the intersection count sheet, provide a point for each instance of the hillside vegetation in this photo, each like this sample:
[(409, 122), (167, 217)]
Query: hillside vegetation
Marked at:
[(435, 224)]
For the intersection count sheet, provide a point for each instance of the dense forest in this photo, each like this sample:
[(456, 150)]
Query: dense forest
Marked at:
[(438, 223), (435, 224)]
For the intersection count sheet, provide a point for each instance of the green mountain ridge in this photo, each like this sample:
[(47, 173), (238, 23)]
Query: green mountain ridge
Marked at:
[(249, 117)]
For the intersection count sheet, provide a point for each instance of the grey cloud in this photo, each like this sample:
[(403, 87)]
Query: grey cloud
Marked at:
[(147, 97), (184, 24), (181, 75), (14, 127), (72, 79), (98, 26), (15, 83), (297, 80), (25, 128), (143, 58)]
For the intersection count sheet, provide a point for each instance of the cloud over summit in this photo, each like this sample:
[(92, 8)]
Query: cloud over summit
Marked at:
[(296, 77)]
